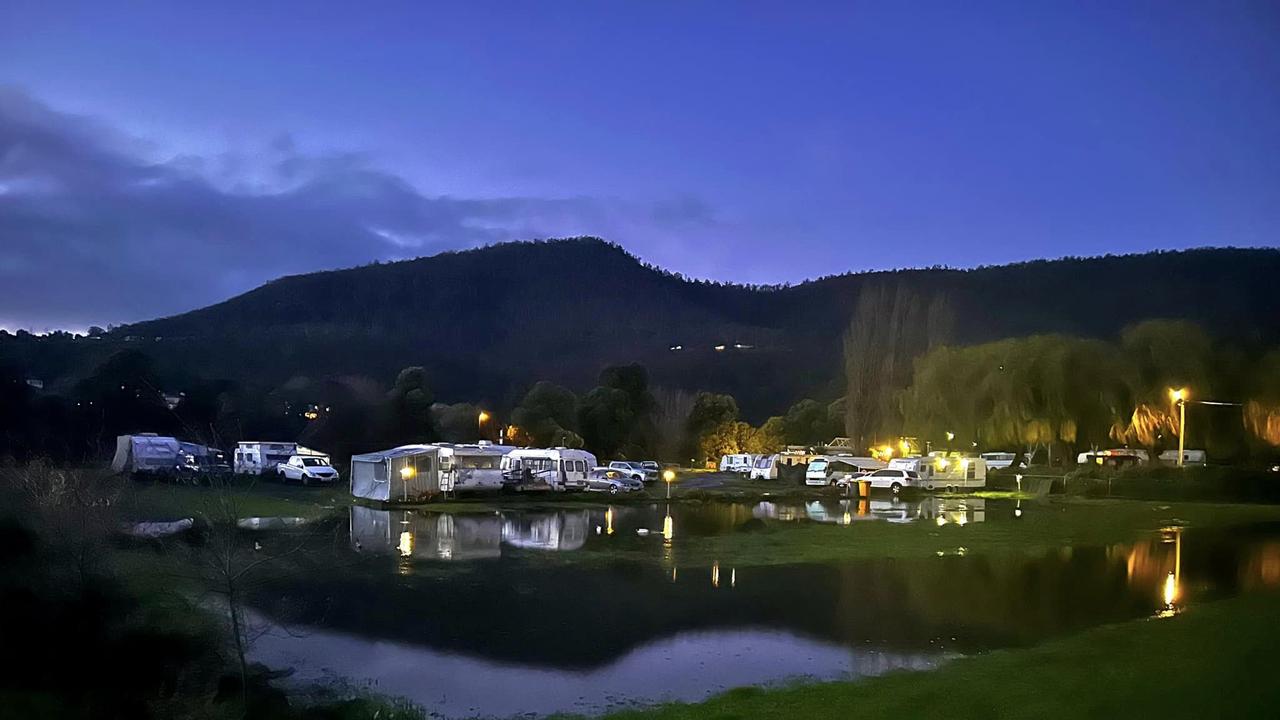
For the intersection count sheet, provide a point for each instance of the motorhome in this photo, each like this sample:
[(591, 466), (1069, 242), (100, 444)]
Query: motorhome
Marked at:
[(547, 469), (737, 462), (471, 468), (829, 469)]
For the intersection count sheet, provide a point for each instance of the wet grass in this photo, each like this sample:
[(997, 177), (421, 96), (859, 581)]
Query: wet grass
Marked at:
[(1213, 661)]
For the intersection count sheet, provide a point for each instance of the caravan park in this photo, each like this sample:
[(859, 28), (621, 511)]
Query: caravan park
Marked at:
[(639, 360)]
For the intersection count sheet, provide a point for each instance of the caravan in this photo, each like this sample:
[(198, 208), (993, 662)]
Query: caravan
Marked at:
[(939, 471), (547, 469), (471, 467), (147, 453)]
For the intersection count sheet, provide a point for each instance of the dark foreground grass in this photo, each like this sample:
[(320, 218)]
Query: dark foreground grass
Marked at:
[(152, 501), (1216, 661)]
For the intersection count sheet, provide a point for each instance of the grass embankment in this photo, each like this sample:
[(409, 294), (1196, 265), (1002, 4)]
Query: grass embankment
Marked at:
[(1215, 661)]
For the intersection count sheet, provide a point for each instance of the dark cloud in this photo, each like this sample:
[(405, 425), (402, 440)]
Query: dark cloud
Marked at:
[(92, 232)]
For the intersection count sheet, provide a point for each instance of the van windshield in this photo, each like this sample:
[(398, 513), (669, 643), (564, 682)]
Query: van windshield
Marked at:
[(818, 465)]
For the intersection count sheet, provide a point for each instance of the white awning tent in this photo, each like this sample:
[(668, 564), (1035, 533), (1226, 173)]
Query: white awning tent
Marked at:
[(404, 474)]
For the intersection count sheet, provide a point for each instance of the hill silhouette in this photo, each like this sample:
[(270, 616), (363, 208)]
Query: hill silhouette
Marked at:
[(488, 322)]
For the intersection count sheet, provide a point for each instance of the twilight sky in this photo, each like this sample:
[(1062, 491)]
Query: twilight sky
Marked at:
[(156, 158)]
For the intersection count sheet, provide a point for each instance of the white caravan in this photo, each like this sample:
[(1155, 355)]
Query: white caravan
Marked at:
[(737, 462), (471, 467), (765, 468), (254, 457), (938, 471), (547, 469)]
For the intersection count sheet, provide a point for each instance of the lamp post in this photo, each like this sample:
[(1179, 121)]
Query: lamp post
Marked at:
[(481, 419), (668, 476), (1179, 396)]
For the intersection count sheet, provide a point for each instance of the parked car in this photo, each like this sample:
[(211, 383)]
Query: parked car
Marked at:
[(612, 480), (893, 479), (307, 469), (636, 469)]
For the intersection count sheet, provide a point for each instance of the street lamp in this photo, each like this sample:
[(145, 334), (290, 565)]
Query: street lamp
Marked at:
[(1179, 396), (481, 419), (668, 476)]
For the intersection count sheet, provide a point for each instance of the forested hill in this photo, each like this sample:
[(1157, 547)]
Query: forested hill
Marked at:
[(488, 322)]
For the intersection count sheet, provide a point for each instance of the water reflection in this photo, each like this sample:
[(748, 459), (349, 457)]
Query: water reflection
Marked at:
[(624, 631), (942, 510)]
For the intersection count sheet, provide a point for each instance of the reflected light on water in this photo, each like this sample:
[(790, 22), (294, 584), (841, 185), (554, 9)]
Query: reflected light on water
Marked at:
[(733, 577), (406, 544), (715, 574), (668, 528), (608, 521)]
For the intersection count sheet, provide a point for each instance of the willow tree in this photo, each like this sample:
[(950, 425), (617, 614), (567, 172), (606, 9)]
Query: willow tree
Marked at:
[(1262, 409), (1160, 355), (893, 323), (1034, 392)]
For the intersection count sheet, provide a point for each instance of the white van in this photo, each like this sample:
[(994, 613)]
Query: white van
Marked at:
[(737, 462), (547, 469), (830, 469), (999, 460)]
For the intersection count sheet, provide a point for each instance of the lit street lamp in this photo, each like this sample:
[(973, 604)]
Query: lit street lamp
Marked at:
[(1179, 396), (669, 477), (481, 419)]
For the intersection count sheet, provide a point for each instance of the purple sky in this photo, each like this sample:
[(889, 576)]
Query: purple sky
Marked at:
[(155, 158)]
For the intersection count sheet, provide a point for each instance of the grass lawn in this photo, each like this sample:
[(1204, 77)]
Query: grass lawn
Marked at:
[(1217, 660), (261, 498)]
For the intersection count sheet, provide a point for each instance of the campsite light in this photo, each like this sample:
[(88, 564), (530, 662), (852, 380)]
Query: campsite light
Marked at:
[(1179, 398), (904, 447), (669, 477), (406, 473)]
